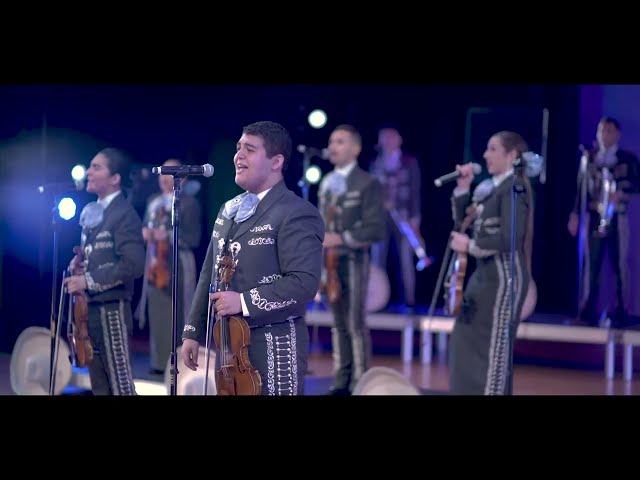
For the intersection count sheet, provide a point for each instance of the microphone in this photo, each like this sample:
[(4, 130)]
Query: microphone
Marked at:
[(532, 163), (450, 177), (184, 170), (323, 154)]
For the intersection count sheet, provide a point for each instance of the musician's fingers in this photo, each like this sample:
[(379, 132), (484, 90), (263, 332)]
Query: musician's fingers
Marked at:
[(188, 359)]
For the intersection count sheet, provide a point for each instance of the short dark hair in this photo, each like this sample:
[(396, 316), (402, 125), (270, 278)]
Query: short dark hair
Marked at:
[(352, 130), (611, 120), (118, 162), (277, 140)]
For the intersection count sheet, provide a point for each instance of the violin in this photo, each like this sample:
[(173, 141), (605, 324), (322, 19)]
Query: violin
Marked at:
[(78, 325), (232, 335), (331, 284), (158, 271), (454, 284)]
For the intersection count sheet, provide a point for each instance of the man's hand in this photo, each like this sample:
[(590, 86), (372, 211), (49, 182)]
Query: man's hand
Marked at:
[(189, 351), (227, 303), (332, 239), (76, 265), (459, 242), (75, 283), (572, 224)]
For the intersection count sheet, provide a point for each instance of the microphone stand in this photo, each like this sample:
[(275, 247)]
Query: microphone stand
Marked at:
[(516, 189), (53, 319), (175, 222)]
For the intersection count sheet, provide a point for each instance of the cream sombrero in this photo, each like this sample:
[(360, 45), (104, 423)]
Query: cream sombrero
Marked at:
[(384, 381), (30, 365)]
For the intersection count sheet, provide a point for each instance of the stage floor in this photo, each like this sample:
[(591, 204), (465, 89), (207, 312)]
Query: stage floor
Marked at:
[(430, 379)]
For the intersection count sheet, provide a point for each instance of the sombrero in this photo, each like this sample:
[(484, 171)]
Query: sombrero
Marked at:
[(30, 364), (384, 381), (189, 382)]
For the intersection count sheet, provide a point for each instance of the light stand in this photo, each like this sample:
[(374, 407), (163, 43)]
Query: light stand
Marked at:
[(304, 183), (582, 229)]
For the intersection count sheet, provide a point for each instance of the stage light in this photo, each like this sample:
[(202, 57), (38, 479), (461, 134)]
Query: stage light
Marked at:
[(67, 208), (313, 174), (317, 118), (78, 173)]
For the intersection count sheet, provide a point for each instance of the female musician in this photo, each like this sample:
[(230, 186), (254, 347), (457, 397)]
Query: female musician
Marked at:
[(113, 257), (158, 234), (484, 331)]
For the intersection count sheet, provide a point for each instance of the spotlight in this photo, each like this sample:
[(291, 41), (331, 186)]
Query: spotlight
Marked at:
[(313, 174), (317, 118), (67, 208), (78, 173)]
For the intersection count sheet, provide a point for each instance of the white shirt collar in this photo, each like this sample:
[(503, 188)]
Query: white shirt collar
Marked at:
[(106, 201), (263, 193), (498, 179), (346, 170)]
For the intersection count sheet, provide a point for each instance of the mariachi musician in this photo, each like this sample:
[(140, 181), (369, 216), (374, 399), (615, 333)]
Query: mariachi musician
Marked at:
[(112, 258), (602, 197), (350, 200), (484, 330), (400, 176), (158, 234)]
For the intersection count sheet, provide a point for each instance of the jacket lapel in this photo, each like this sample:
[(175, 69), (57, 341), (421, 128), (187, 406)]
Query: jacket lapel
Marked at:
[(270, 198)]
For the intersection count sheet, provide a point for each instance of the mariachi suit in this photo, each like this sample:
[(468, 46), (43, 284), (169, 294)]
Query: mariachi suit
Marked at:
[(625, 167), (278, 262), (159, 299), (401, 193), (113, 247), (484, 333), (360, 219)]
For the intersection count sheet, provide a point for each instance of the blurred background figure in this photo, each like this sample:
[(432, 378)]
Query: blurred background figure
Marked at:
[(399, 174), (155, 302), (607, 177), (351, 204)]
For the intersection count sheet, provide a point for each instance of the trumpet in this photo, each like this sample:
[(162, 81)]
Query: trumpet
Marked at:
[(416, 242), (606, 206)]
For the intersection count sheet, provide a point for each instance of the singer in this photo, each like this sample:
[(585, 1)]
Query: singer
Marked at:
[(274, 237), (483, 334)]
